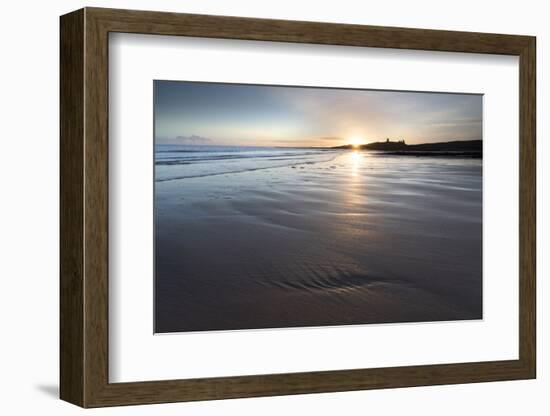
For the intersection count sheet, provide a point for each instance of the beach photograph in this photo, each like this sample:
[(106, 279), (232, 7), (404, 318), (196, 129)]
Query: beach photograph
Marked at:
[(293, 206)]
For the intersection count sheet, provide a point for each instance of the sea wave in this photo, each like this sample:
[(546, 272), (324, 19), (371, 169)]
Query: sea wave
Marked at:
[(185, 162)]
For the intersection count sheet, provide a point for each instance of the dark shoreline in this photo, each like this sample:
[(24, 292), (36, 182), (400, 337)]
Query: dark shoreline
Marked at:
[(470, 155), (474, 146)]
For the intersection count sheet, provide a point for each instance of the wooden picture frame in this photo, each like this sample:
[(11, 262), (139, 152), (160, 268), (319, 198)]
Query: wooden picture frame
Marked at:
[(84, 207)]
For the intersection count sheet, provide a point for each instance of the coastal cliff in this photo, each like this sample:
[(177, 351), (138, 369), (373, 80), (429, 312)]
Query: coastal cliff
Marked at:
[(470, 148)]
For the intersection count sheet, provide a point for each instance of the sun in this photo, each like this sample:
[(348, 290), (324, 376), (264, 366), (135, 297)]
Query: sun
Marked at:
[(355, 141)]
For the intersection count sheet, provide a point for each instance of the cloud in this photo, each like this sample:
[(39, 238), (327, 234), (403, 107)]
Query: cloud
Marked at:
[(194, 139), (330, 138), (323, 141)]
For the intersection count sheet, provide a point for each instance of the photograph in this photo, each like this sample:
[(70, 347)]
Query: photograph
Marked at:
[(295, 206)]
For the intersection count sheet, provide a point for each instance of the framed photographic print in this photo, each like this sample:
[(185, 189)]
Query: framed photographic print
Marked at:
[(256, 207)]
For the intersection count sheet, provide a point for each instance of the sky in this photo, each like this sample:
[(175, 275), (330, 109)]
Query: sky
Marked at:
[(260, 115)]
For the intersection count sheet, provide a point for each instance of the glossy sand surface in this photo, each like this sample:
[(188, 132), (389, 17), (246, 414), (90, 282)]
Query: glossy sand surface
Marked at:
[(275, 238)]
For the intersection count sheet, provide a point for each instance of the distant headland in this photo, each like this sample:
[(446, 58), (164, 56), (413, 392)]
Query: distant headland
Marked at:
[(462, 148)]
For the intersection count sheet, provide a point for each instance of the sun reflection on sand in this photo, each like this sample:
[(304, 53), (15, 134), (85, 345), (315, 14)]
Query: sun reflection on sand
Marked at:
[(355, 162), (355, 188)]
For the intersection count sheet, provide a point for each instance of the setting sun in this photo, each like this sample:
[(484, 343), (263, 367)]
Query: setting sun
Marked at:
[(356, 141)]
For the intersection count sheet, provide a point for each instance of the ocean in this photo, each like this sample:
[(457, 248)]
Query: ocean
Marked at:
[(188, 161)]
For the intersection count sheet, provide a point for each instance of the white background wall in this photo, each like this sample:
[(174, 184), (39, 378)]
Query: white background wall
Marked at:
[(29, 160)]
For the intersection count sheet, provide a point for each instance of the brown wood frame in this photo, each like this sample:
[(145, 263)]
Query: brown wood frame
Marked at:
[(84, 207)]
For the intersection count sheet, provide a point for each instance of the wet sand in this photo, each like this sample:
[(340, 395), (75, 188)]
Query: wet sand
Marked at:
[(353, 238)]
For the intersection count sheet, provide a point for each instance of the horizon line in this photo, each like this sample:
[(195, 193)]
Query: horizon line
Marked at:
[(312, 147)]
